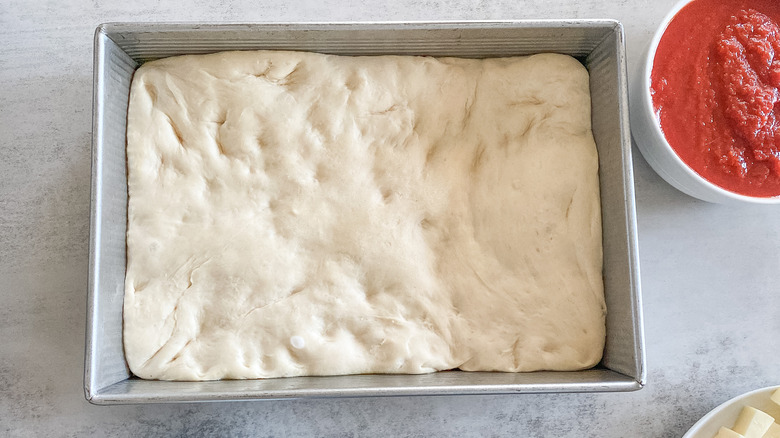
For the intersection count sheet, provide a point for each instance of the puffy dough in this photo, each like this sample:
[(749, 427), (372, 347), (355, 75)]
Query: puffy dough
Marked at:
[(305, 214)]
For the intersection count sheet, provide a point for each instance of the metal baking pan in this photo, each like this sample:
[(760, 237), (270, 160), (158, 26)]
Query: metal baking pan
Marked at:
[(121, 47)]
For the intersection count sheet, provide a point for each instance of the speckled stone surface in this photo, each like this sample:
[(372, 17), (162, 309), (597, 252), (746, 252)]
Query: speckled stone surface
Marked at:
[(711, 293)]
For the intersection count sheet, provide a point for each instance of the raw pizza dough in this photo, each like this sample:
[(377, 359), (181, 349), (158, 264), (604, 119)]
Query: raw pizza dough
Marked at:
[(304, 214)]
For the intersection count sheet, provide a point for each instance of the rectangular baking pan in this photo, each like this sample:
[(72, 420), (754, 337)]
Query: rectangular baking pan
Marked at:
[(121, 47)]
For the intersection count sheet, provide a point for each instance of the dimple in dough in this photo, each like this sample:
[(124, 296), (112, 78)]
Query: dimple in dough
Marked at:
[(305, 214)]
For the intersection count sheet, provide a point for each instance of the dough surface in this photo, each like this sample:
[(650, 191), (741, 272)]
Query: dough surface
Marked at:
[(304, 214)]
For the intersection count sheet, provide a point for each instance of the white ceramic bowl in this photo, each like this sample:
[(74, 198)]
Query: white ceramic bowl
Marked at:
[(726, 414), (646, 130)]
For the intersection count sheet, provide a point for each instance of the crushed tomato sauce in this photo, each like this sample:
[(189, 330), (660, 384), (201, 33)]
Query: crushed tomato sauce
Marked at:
[(716, 90)]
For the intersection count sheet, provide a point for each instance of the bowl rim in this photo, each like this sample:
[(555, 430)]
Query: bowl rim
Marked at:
[(646, 81)]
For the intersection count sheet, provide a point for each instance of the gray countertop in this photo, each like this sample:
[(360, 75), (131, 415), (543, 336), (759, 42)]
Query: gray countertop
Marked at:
[(709, 272)]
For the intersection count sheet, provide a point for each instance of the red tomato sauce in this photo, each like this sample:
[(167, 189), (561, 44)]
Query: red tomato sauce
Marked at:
[(715, 86)]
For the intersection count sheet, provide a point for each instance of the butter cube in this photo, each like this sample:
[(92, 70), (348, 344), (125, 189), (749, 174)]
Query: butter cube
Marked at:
[(773, 410), (776, 397), (725, 432), (773, 432), (753, 423)]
